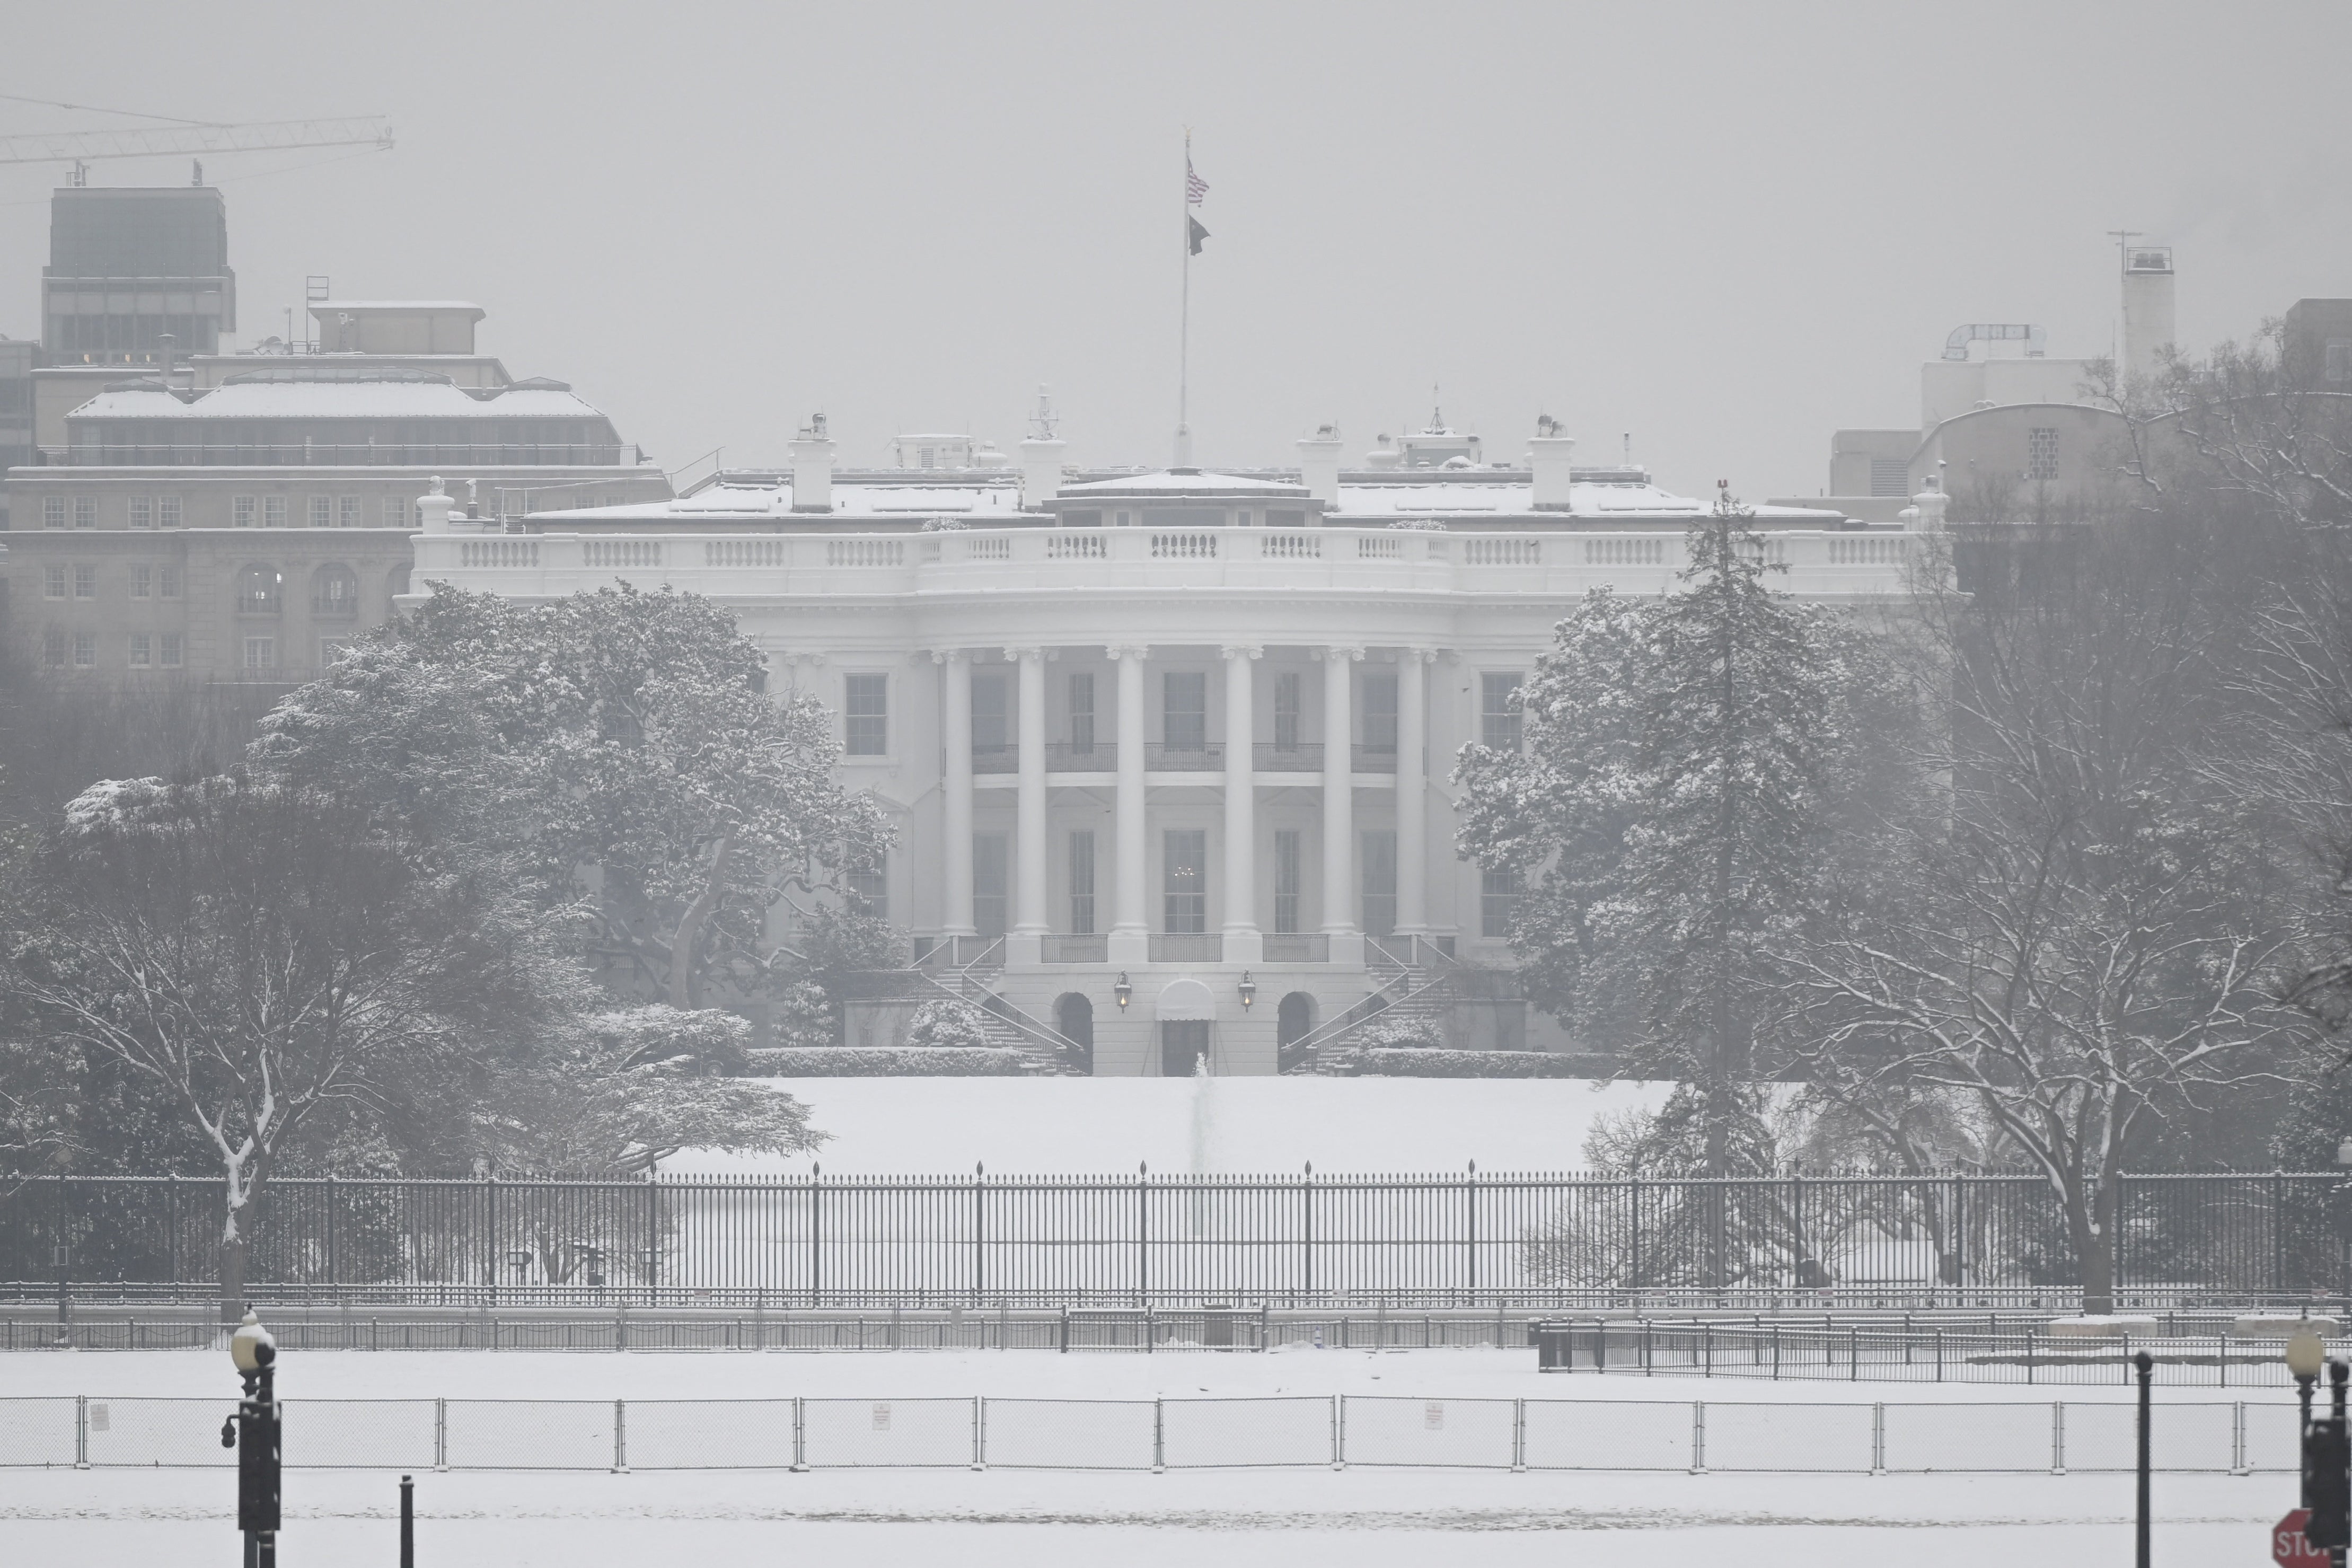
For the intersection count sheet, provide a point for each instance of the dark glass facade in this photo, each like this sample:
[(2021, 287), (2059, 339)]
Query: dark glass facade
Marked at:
[(126, 266)]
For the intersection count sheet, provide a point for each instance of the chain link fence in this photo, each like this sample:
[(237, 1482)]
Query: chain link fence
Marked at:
[(2234, 1437)]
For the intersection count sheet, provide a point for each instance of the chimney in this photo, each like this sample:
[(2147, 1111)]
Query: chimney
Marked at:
[(1041, 455), (813, 467), (1926, 514), (1548, 453), (2148, 308), (433, 508), (1318, 465)]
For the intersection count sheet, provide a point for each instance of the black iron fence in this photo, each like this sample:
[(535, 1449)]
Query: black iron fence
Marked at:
[(1460, 1238)]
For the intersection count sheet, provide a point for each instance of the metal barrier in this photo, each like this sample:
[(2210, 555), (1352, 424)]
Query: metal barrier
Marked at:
[(1552, 1242), (2236, 1437)]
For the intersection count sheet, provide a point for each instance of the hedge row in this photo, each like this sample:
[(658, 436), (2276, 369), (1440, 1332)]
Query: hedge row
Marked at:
[(888, 1061), (1414, 1062)]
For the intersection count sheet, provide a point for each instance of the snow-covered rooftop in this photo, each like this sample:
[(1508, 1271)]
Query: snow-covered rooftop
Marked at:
[(320, 306), (338, 400), (995, 499)]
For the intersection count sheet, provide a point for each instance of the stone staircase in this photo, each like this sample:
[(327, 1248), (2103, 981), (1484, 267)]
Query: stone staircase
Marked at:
[(1411, 983), (1044, 1052)]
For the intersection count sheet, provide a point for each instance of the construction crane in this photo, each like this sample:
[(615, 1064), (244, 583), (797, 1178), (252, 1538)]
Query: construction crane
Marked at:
[(84, 146)]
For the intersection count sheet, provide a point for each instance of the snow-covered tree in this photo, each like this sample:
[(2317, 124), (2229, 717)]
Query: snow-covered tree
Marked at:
[(258, 954), (946, 1023), (624, 741), (629, 1088), (1696, 766), (2088, 930)]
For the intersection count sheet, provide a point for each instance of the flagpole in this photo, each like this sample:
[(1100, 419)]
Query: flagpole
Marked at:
[(1184, 317)]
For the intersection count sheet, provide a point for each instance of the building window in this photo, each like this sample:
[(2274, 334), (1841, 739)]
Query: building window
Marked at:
[(867, 715), (261, 653), (53, 647), (167, 511), (869, 888), (2042, 453), (1286, 712), (1499, 900), (322, 512), (1379, 710), (168, 582), (85, 582), (1184, 879), (988, 894), (991, 730), (85, 513), (273, 511), (142, 650), (1286, 879), (258, 591), (1184, 713), (85, 645), (347, 511), (171, 650), (242, 511), (142, 511), (1379, 882), (396, 511), (53, 582), (143, 582), (335, 591), (1082, 884), (2338, 361), (1082, 732), (1501, 723), (53, 511)]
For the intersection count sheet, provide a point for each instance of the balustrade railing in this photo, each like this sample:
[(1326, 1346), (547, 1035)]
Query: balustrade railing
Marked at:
[(1186, 947), (1078, 949)]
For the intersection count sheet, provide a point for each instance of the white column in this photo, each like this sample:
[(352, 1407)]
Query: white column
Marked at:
[(1131, 930), (1413, 790), (955, 710), (1029, 918), (1338, 805), (1242, 943)]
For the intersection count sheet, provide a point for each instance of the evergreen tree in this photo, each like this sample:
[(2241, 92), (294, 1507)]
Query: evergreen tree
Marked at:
[(1681, 808)]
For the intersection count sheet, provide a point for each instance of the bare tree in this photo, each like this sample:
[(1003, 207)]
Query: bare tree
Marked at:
[(2077, 934), (257, 953)]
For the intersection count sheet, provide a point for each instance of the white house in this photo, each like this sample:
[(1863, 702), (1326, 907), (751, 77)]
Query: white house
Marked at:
[(1169, 752)]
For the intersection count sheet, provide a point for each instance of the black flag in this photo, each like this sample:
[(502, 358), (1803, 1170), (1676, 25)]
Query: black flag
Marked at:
[(1197, 233)]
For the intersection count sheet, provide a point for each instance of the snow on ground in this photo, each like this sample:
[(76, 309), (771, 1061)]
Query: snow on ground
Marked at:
[(1017, 1519), (925, 1126), (997, 1374)]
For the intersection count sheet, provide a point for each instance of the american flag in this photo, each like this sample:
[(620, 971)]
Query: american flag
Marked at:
[(1195, 187)]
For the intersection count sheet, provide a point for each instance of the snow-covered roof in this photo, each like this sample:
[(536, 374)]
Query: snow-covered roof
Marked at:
[(1183, 482), (319, 306), (338, 400), (874, 497)]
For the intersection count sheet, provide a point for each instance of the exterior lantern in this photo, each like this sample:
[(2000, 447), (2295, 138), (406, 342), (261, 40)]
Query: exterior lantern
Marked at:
[(1249, 990), (245, 1346), (257, 1435), (1123, 991), (2344, 1152), (2306, 1355)]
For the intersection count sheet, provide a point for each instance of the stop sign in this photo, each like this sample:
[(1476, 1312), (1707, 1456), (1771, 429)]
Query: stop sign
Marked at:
[(2289, 1549)]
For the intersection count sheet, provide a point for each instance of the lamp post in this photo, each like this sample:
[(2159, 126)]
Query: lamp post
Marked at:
[(256, 1433), (2144, 1365), (2306, 1355)]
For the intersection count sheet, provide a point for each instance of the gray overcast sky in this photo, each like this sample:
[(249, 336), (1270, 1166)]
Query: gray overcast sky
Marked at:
[(1726, 229)]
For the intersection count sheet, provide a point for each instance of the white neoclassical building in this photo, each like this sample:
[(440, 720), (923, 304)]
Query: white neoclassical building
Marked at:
[(1169, 753)]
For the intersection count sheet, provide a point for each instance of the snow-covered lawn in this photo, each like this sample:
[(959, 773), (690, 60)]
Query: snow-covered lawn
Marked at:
[(928, 1126), (997, 1374), (1374, 1517)]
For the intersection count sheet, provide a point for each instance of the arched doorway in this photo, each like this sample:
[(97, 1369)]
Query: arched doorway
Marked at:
[(1073, 1015), (1294, 1019)]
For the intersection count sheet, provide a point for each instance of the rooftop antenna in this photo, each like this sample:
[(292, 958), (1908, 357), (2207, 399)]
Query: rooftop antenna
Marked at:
[(197, 178), (1044, 421), (1629, 448)]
